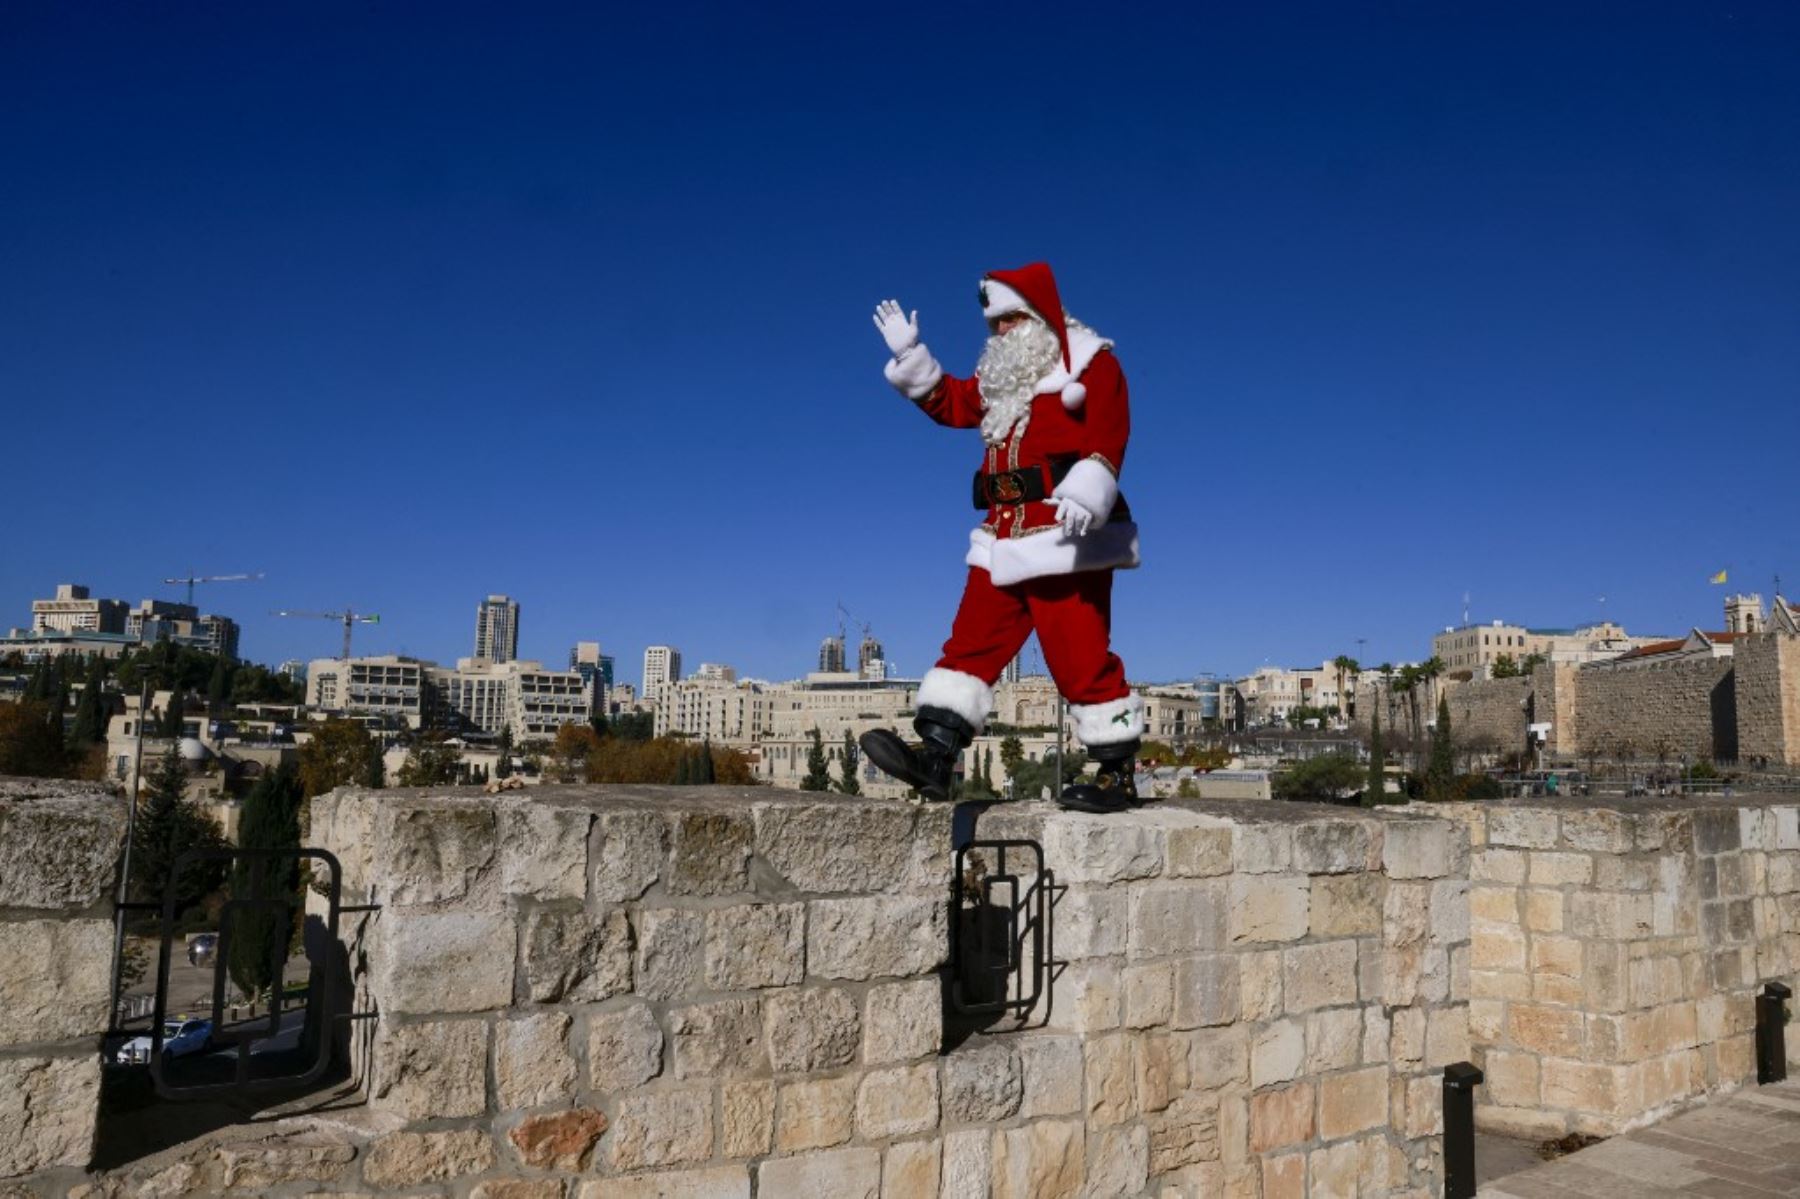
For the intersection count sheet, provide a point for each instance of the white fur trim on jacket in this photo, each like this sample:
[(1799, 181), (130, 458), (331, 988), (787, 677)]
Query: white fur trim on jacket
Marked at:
[(1109, 723), (914, 373), (1092, 486), (1010, 560), (1084, 343), (964, 694)]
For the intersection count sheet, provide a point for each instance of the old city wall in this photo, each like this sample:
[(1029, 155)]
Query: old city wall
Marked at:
[(59, 852), (1617, 953), (1677, 708), (1767, 669), (1489, 714)]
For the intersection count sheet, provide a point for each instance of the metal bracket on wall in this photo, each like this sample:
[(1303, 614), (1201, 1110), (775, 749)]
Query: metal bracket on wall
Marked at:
[(1002, 946)]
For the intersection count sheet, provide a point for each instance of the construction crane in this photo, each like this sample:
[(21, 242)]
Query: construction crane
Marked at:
[(191, 579), (349, 617)]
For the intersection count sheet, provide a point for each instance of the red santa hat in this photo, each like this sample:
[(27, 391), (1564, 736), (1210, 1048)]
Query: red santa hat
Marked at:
[(1032, 288)]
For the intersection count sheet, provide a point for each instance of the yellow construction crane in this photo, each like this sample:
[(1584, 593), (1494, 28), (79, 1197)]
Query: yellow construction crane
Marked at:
[(349, 617), (191, 579)]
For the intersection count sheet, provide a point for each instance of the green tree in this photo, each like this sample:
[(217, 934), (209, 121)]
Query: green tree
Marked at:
[(339, 753), (218, 686), (818, 771), (704, 773), (634, 726), (90, 709), (1531, 663), (847, 780), (1031, 779), (1012, 752), (168, 826), (684, 769), (431, 761), (173, 714), (504, 749), (1376, 789), (1504, 666), (1322, 779), (260, 937), (1346, 665), (1440, 775), (29, 745)]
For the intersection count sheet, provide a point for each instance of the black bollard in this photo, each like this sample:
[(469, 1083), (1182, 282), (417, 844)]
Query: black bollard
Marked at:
[(1460, 1081), (1771, 1033)]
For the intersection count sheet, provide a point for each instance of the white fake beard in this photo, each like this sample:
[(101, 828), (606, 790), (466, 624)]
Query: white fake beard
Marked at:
[(1008, 372)]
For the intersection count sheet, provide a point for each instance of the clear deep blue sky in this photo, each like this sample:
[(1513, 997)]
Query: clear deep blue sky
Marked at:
[(407, 303)]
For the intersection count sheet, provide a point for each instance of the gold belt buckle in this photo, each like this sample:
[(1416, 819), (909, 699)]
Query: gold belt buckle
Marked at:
[(1007, 489)]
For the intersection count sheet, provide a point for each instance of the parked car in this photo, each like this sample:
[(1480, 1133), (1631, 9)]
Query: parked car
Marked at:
[(203, 949), (181, 1037)]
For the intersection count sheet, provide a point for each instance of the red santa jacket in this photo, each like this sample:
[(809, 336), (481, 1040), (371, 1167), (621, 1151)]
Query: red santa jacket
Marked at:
[(1021, 540)]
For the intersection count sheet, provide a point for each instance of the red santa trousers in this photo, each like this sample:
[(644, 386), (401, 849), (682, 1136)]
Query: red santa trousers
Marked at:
[(1072, 614)]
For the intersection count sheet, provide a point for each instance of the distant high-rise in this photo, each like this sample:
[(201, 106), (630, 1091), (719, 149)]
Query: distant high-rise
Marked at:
[(831, 655), (497, 629), (595, 669), (870, 658), (662, 664), (1011, 673)]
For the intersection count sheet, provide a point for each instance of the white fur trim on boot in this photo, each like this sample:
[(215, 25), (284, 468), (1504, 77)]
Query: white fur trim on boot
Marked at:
[(914, 373), (1092, 486), (1109, 723), (954, 691)]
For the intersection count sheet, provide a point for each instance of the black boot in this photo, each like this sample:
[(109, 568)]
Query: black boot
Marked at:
[(943, 735), (1114, 788)]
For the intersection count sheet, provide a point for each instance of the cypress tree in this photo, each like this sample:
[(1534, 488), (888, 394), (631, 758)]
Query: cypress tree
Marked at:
[(1440, 775), (818, 772), (260, 936), (704, 774), (847, 780), (171, 722), (167, 827), (1376, 789), (90, 711), (218, 688)]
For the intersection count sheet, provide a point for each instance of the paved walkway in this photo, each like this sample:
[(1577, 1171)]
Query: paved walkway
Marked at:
[(1744, 1146)]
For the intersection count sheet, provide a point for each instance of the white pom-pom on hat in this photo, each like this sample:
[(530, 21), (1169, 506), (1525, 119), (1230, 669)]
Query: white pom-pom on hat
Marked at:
[(1074, 395)]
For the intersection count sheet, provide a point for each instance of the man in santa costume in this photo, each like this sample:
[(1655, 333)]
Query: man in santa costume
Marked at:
[(1049, 399)]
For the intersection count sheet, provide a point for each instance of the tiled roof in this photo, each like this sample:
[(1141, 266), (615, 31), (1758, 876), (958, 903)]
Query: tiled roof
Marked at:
[(1651, 650)]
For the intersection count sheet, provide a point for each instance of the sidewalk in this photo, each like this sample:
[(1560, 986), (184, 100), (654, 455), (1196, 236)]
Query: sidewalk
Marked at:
[(1744, 1146)]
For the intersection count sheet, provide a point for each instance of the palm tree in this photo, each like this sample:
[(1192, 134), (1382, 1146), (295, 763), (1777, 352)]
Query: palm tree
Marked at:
[(1345, 665)]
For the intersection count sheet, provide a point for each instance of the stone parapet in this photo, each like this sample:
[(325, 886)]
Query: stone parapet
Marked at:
[(59, 852), (1617, 952)]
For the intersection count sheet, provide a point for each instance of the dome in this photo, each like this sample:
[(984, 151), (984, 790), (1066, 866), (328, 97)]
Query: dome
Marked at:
[(193, 751)]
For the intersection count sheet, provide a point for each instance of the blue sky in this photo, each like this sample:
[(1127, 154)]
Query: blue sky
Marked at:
[(403, 304)]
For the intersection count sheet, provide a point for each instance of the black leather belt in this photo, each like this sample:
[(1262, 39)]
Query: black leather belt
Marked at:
[(1023, 486)]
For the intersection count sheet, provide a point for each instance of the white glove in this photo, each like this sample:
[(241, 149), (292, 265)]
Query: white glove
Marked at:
[(1072, 515), (901, 332)]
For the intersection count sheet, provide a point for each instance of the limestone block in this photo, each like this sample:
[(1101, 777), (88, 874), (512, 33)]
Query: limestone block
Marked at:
[(1266, 908), (1353, 1102), (1333, 1039), (1160, 1065), (1605, 978), (1551, 1032), (1449, 912), (671, 953), (1495, 905), (709, 853), (1543, 911), (897, 1102), (1446, 1036), (1500, 947), (910, 1168), (532, 1063), (630, 851), (1321, 975), (1497, 866), (875, 937), (438, 1068), (667, 1128), (1118, 1161), (1260, 989), (1419, 848), (1284, 1177), (1176, 917), (1524, 828), (59, 845), (1207, 991), (516, 1188), (813, 1028), (1050, 1069), (434, 850), (47, 1111), (746, 1118), (1717, 831), (260, 1165), (1093, 923), (840, 1173), (1512, 1078), (815, 1113), (903, 1021), (1263, 849), (983, 1083), (1585, 1087), (842, 846), (625, 1048), (1184, 1134), (1612, 873), (1551, 954), (558, 1140), (1786, 821), (1111, 1080), (409, 1159), (575, 956), (968, 1164), (1335, 847), (714, 1182), (1096, 849), (1042, 1160), (1086, 996), (1281, 1117), (1551, 869), (1203, 852), (1149, 995), (1219, 1058), (1277, 1053), (717, 1040), (1347, 905), (443, 961), (1598, 831), (544, 850), (55, 979)]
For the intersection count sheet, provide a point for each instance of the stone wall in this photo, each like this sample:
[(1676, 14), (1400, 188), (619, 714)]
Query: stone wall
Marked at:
[(59, 850), (1617, 950), (1767, 667), (1675, 708), (1490, 714)]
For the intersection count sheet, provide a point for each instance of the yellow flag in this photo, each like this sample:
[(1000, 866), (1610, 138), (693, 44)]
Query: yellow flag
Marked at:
[(1718, 578)]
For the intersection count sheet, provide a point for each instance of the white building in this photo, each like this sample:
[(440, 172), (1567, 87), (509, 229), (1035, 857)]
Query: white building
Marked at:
[(662, 664), (74, 611), (497, 629)]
